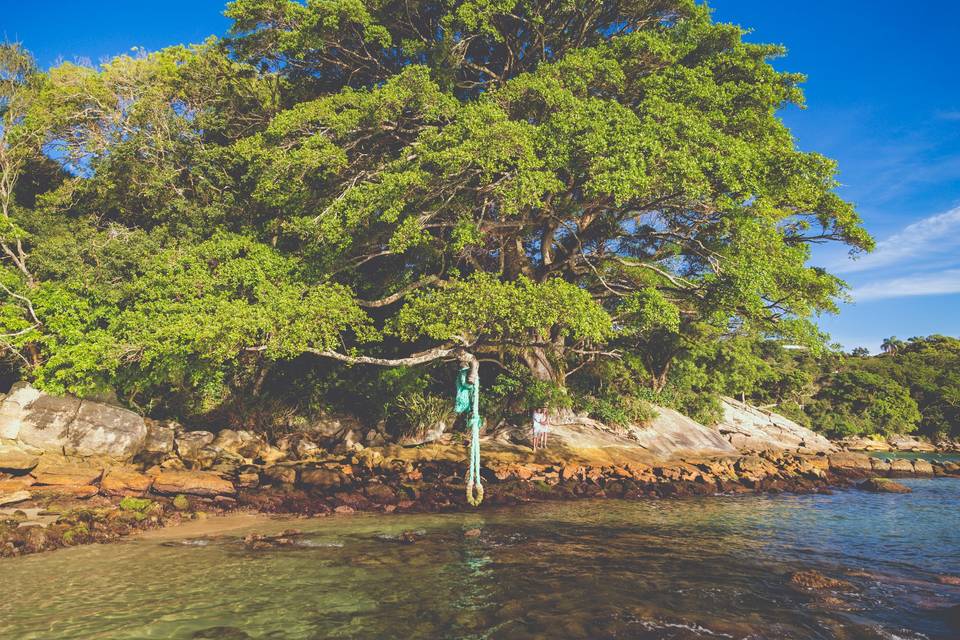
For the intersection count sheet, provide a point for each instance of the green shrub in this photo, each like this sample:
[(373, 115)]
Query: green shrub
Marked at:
[(135, 504), (415, 413), (618, 410)]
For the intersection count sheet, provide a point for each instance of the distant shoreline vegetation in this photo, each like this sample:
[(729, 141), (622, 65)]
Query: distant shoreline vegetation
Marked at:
[(912, 387)]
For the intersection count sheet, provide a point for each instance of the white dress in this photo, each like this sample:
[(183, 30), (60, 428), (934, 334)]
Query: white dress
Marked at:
[(539, 423)]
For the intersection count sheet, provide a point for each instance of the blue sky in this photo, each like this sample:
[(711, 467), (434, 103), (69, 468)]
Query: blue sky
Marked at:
[(883, 99)]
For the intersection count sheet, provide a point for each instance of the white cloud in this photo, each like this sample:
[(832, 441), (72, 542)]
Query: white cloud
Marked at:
[(924, 284), (926, 239)]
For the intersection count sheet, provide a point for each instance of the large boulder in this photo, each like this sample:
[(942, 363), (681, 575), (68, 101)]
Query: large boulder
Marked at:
[(194, 448), (749, 428), (335, 432), (910, 443), (669, 435), (161, 436), (850, 462), (69, 425), (245, 444), (883, 485)]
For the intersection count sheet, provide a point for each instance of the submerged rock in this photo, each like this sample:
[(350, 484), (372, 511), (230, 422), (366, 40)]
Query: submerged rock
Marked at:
[(883, 485), (221, 633), (813, 579)]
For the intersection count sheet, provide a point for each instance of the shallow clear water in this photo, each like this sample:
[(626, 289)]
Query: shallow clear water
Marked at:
[(698, 568)]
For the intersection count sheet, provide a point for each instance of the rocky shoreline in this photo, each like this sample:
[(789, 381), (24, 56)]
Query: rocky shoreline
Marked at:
[(68, 505), (78, 471)]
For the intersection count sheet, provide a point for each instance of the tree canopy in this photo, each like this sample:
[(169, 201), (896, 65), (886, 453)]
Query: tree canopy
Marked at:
[(570, 190)]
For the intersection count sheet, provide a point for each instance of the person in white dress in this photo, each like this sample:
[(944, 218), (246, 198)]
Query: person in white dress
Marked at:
[(540, 429)]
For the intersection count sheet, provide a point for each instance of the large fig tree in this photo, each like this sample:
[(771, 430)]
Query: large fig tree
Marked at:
[(545, 183)]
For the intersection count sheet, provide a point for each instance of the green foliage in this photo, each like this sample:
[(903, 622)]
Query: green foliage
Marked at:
[(514, 394), (483, 307), (199, 228), (913, 386), (619, 410), (862, 403), (930, 369), (417, 413)]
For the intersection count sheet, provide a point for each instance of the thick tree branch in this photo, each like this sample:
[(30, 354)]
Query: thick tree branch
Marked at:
[(388, 300), (420, 357)]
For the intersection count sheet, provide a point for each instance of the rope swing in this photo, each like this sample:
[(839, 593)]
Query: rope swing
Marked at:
[(468, 399)]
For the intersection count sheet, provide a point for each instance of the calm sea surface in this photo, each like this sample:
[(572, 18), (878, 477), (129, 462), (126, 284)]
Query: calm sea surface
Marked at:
[(698, 568)]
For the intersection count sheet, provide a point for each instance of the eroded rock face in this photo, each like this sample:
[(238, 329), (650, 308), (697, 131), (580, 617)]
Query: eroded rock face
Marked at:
[(191, 445), (674, 434), (69, 425), (748, 428), (160, 437), (670, 434), (68, 476)]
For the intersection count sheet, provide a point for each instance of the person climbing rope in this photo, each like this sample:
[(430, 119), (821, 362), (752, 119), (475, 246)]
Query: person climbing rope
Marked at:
[(540, 429)]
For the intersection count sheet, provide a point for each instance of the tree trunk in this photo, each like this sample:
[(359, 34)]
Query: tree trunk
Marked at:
[(542, 366), (659, 379)]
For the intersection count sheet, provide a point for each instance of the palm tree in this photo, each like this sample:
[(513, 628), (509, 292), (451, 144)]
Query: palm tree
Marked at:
[(891, 345)]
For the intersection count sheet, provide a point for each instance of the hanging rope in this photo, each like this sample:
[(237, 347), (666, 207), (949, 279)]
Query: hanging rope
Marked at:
[(468, 399)]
